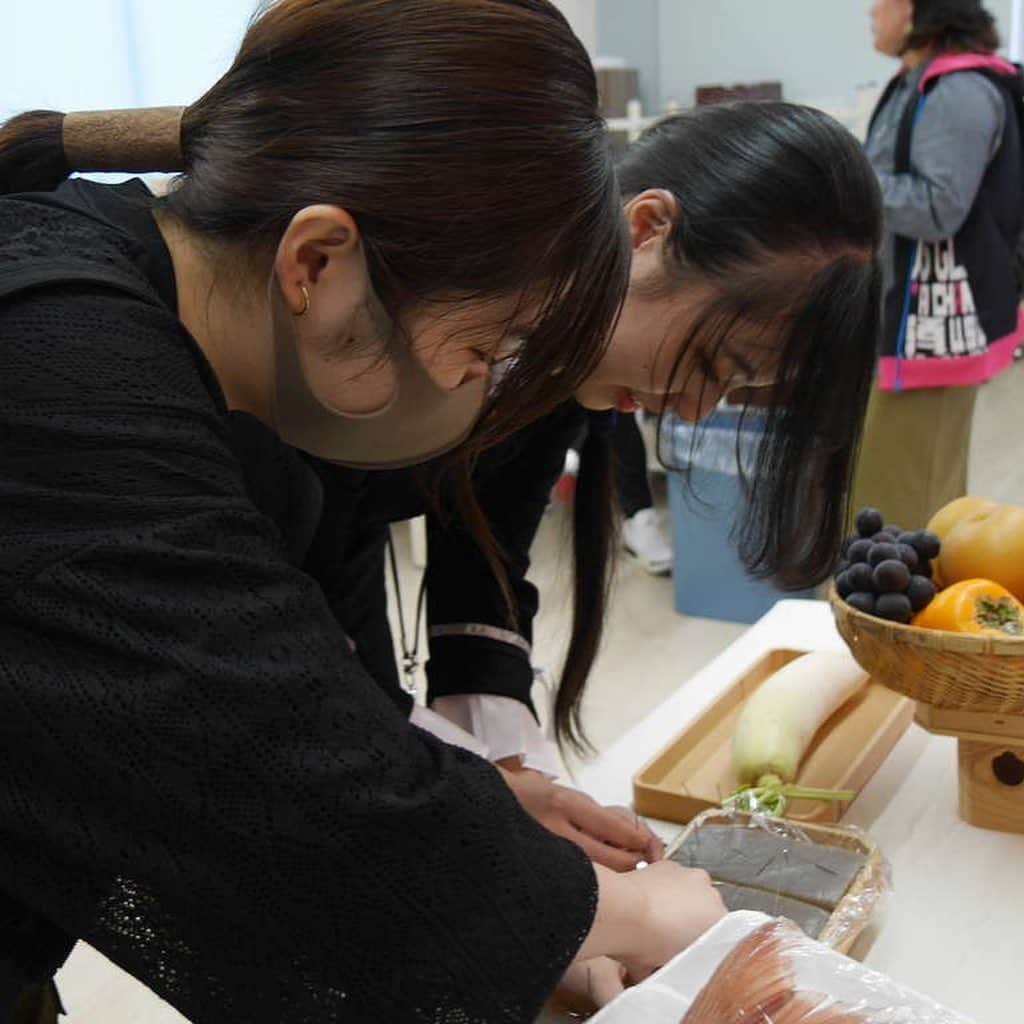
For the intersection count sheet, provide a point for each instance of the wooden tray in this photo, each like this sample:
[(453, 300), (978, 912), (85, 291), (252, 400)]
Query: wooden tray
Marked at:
[(853, 913), (694, 772)]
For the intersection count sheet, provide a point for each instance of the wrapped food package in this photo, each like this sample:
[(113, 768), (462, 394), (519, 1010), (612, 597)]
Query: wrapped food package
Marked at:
[(763, 858), (754, 969), (828, 880), (811, 920)]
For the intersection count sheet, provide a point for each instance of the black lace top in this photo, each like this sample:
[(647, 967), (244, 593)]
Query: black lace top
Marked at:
[(197, 776)]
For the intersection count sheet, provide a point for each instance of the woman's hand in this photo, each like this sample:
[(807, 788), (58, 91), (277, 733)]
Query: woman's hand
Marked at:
[(590, 984), (643, 920), (611, 836), (646, 917), (679, 906)]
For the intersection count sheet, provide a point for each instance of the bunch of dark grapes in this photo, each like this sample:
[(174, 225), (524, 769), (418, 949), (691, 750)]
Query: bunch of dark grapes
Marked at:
[(887, 571)]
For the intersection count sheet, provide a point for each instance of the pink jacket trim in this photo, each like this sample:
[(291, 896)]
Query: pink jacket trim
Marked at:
[(965, 62), (951, 371)]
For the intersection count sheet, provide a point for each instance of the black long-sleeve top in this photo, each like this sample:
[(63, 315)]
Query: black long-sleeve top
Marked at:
[(198, 775)]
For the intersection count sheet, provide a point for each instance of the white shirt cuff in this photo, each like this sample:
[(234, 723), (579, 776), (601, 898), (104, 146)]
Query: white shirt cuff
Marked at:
[(448, 731), (504, 726)]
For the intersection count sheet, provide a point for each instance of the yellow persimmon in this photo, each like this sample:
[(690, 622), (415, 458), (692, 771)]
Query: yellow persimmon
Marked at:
[(987, 544), (950, 515)]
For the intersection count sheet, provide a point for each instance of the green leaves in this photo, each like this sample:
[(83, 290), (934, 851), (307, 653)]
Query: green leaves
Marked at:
[(772, 796)]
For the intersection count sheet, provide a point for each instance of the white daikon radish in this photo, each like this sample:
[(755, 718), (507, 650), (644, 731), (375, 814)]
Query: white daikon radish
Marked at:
[(782, 716)]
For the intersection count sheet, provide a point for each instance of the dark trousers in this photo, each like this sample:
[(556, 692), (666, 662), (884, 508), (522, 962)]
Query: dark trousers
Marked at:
[(37, 1004), (631, 481), (31, 952)]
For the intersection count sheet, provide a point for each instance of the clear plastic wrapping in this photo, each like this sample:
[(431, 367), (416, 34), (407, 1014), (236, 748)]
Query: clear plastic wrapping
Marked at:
[(755, 969), (829, 880)]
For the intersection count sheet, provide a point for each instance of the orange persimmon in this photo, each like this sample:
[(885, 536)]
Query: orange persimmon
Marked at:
[(974, 606)]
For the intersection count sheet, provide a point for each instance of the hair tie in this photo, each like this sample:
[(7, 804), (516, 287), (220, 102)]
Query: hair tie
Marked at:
[(144, 139)]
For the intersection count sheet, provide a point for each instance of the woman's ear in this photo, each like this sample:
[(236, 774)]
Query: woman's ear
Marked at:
[(652, 215), (320, 266), (322, 278)]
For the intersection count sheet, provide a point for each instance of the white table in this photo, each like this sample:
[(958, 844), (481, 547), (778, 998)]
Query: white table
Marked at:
[(954, 926)]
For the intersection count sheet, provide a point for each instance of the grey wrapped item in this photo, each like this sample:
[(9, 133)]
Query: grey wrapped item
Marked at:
[(810, 919), (828, 879), (756, 857)]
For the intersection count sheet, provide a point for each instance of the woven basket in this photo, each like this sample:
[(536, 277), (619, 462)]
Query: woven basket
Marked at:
[(947, 670)]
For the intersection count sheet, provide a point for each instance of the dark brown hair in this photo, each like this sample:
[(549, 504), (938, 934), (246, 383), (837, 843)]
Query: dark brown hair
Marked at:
[(464, 138), (462, 135), (952, 26), (780, 213)]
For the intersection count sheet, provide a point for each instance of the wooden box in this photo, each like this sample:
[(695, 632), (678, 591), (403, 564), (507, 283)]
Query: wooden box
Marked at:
[(693, 772), (990, 752), (711, 94)]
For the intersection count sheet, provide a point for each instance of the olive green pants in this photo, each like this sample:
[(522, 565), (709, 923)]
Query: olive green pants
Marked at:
[(913, 457), (39, 1004)]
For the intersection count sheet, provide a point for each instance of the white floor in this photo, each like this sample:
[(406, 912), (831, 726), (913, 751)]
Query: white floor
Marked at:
[(649, 651)]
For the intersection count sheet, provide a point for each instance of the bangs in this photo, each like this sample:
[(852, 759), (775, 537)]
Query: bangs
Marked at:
[(799, 493), (795, 441)]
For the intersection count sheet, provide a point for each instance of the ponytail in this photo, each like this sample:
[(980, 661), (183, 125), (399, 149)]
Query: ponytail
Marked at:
[(40, 149), (595, 533), (32, 152)]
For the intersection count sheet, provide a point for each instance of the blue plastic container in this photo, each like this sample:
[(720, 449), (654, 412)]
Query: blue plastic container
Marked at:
[(709, 580)]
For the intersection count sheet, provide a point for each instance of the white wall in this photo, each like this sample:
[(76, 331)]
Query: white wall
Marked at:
[(817, 48), (629, 31), (582, 15), (100, 54), (95, 54)]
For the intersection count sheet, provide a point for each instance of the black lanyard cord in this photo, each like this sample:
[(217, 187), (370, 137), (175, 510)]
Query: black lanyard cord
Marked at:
[(410, 656)]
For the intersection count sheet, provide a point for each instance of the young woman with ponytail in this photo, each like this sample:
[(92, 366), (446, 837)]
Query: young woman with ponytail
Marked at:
[(209, 404), (755, 230), (755, 274)]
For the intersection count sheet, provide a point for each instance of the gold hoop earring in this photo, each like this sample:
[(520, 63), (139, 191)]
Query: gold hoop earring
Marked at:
[(305, 305)]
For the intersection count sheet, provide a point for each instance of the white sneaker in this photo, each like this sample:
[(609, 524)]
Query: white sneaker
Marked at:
[(644, 537)]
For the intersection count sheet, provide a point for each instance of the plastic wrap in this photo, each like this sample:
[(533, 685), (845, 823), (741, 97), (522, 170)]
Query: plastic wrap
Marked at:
[(829, 880), (754, 969), (724, 442)]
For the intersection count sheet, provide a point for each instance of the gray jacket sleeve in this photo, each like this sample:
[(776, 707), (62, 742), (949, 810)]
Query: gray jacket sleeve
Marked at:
[(958, 133)]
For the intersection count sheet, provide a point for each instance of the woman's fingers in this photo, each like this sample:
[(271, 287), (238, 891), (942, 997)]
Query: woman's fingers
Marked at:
[(590, 984), (611, 836), (606, 824), (601, 853), (655, 848), (606, 979)]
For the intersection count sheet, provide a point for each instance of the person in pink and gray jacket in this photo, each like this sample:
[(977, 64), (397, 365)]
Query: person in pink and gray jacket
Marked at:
[(945, 142)]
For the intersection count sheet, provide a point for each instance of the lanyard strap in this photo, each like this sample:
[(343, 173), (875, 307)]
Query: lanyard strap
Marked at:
[(410, 655)]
